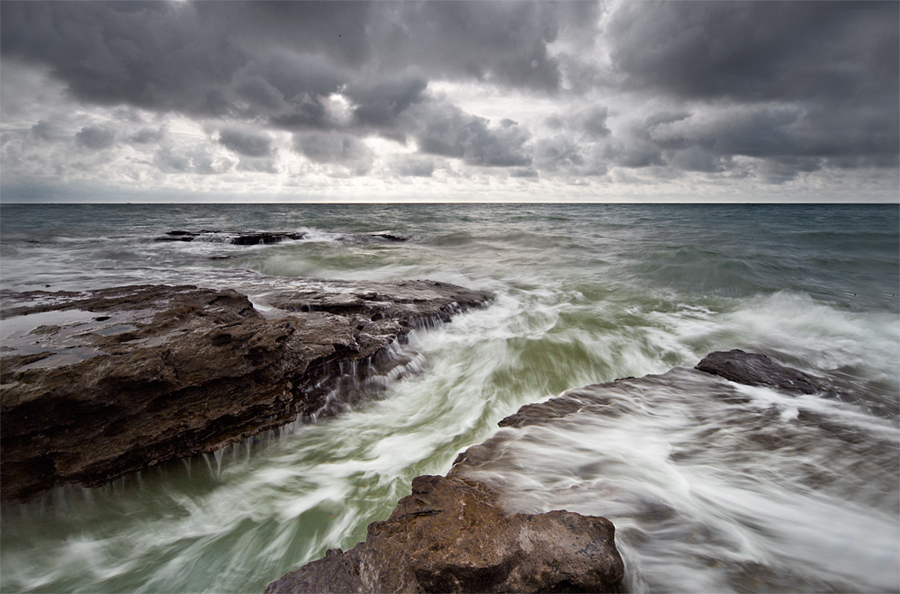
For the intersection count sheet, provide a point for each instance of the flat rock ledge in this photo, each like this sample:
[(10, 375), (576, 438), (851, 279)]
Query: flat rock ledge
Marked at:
[(98, 384), (450, 535)]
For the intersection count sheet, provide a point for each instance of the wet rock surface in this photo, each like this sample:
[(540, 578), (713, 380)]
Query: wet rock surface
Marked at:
[(97, 384), (459, 534), (759, 370), (267, 237), (450, 535), (234, 237)]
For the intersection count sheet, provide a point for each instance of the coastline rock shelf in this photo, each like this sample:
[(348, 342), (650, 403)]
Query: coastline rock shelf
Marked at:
[(97, 384), (458, 534)]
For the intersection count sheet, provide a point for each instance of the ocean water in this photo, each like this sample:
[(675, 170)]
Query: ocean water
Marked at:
[(778, 494)]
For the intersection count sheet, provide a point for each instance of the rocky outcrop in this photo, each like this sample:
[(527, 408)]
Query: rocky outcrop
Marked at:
[(266, 237), (236, 238), (106, 382), (450, 535), (759, 370)]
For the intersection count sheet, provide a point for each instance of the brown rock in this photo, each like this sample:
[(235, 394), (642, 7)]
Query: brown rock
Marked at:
[(144, 374), (450, 535)]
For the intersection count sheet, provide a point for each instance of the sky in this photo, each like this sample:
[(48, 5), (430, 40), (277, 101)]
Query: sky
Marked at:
[(434, 101)]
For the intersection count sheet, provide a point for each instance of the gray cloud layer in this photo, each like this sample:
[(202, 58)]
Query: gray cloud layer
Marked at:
[(688, 86)]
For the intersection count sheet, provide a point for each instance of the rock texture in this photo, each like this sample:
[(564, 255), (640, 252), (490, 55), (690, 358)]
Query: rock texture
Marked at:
[(116, 380), (450, 535)]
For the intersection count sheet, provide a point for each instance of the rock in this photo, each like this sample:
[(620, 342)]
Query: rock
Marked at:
[(389, 237), (450, 535), (759, 370), (116, 380), (235, 237), (267, 238), (264, 238), (705, 420), (359, 237)]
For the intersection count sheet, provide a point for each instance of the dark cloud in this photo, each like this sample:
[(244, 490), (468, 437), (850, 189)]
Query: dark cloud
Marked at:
[(45, 130), (557, 153), (633, 152), (334, 148), (446, 130), (148, 136), (788, 135), (415, 168), (759, 50), (244, 59), (698, 159), (198, 159), (381, 104), (526, 173), (729, 89), (593, 122), (787, 82), (246, 142), (563, 156), (152, 55), (95, 138), (503, 42), (589, 121)]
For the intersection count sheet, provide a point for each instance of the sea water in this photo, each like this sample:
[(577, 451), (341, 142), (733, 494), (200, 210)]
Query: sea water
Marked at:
[(756, 497)]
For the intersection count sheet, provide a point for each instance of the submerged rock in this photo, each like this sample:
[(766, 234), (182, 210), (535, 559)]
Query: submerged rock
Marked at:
[(362, 237), (450, 535), (116, 380)]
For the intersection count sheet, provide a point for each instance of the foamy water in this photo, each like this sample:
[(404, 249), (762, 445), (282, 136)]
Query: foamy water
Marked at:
[(775, 493)]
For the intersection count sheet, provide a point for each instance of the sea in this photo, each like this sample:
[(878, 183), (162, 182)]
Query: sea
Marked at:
[(778, 494)]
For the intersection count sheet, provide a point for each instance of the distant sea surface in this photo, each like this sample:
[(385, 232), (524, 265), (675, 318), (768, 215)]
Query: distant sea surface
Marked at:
[(584, 294)]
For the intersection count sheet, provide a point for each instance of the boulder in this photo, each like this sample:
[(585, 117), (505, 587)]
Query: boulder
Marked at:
[(753, 369), (450, 535), (115, 380)]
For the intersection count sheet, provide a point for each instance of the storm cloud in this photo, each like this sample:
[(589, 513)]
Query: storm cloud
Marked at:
[(246, 142), (569, 91), (95, 137)]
